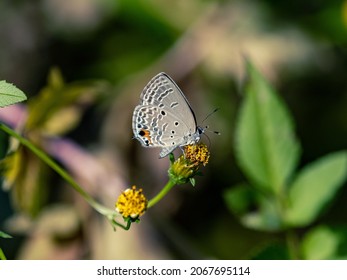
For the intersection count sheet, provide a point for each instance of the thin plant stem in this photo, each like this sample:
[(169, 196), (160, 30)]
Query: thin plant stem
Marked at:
[(125, 227), (292, 244), (109, 213), (161, 194), (290, 234)]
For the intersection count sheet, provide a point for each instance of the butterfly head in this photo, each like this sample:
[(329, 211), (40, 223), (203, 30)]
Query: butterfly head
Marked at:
[(200, 130)]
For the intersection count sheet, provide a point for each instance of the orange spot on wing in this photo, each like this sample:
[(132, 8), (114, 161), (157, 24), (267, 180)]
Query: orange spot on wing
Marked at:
[(146, 134)]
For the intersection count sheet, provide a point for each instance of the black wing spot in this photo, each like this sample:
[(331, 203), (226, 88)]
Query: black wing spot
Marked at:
[(173, 104), (177, 123)]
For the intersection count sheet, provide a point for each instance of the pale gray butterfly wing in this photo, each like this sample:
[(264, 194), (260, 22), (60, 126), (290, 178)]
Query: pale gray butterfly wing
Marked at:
[(164, 117)]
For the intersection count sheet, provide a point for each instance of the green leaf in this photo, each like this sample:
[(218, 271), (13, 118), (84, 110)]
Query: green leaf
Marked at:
[(253, 209), (10, 94), (272, 251), (59, 107), (266, 147), (314, 187), (240, 199), (325, 243), (192, 181), (2, 255), (26, 175), (4, 235)]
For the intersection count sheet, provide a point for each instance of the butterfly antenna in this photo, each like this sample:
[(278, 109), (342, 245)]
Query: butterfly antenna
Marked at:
[(214, 111), (206, 128)]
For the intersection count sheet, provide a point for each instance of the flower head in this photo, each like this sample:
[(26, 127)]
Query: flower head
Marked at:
[(197, 154), (131, 203), (187, 166)]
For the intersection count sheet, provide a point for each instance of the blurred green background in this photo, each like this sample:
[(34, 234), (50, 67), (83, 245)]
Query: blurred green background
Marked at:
[(300, 47)]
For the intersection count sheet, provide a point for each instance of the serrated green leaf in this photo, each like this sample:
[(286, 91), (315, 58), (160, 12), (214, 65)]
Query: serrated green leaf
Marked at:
[(266, 147), (10, 94), (325, 243), (314, 187), (4, 235)]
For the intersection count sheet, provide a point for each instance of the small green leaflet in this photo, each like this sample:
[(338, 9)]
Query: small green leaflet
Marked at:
[(4, 235), (10, 94)]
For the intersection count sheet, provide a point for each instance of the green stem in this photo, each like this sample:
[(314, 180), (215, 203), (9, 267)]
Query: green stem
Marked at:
[(290, 235), (125, 227), (2, 255), (110, 214), (292, 243), (161, 194)]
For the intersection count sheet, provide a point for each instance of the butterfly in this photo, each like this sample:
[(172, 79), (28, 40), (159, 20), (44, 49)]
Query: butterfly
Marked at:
[(164, 118)]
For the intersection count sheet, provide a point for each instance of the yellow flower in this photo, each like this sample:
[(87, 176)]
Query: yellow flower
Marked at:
[(197, 154), (131, 203)]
